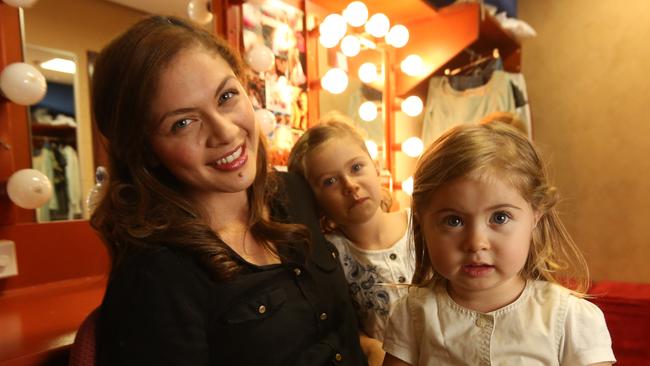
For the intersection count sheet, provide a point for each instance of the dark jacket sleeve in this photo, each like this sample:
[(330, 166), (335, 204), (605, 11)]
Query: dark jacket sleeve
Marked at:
[(155, 313)]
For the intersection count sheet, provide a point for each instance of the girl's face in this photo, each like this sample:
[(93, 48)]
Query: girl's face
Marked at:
[(204, 130), (478, 234), (345, 181)]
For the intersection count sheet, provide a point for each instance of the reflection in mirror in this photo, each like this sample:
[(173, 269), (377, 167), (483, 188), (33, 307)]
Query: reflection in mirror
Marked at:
[(358, 96), (75, 29), (54, 133)]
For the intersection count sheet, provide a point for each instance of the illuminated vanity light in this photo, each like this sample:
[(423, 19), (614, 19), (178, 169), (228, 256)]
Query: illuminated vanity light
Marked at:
[(334, 81), (356, 13), (368, 111), (22, 83), (412, 106), (334, 25), (328, 41), (412, 65), (398, 36), (413, 147), (368, 73), (350, 46), (60, 65), (378, 25)]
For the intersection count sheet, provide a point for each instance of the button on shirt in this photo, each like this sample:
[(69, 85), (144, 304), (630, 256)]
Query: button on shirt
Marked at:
[(377, 278), (546, 325)]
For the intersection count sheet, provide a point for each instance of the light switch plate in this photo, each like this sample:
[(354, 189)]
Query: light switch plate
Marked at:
[(8, 263)]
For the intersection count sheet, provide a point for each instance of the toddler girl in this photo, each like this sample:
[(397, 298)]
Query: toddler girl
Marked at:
[(498, 279), (372, 242)]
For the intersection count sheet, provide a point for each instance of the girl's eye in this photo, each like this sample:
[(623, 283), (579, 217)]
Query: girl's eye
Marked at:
[(453, 221), (180, 124), (356, 167), (329, 181), (500, 218), (227, 95)]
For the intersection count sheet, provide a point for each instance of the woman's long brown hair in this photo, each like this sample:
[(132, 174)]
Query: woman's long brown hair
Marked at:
[(143, 205)]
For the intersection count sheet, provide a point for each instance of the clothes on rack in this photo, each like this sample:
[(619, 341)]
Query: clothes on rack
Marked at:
[(447, 107), (60, 163)]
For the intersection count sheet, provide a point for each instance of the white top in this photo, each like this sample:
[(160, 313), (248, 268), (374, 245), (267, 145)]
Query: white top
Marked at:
[(546, 325), (447, 107), (377, 278)]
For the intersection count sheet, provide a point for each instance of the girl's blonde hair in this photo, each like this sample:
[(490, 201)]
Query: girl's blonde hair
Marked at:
[(501, 151), (332, 125)]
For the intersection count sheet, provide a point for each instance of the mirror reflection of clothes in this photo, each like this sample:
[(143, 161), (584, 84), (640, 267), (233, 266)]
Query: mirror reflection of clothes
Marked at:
[(61, 166)]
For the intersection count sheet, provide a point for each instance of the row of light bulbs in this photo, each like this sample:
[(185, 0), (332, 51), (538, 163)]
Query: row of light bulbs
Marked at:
[(332, 31)]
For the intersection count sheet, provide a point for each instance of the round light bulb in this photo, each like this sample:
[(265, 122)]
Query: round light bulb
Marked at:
[(22, 83), (335, 81), (356, 13), (266, 119), (335, 25), (20, 3), (412, 106), (198, 11), (413, 147), (350, 46), (368, 111), (29, 188), (327, 41), (368, 73), (260, 58), (378, 25), (407, 185), (398, 36), (373, 149), (412, 65)]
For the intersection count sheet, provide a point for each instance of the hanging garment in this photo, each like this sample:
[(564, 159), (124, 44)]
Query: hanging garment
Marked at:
[(447, 107), (520, 93), (73, 180), (60, 184), (478, 76), (43, 161)]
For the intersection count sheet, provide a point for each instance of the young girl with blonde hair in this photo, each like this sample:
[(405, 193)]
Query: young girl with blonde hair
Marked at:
[(498, 278), (371, 241)]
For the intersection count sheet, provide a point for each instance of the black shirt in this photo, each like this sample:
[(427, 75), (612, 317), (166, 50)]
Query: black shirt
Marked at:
[(162, 308)]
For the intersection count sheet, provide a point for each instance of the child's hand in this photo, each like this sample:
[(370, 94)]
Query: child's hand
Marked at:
[(372, 349)]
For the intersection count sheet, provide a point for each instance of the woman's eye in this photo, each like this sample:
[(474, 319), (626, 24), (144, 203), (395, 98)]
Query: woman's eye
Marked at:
[(500, 218), (227, 95), (180, 124), (329, 181), (453, 221)]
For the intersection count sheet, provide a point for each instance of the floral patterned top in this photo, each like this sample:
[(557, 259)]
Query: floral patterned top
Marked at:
[(377, 278)]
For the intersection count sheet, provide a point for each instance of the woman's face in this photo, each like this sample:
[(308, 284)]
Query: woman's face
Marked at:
[(204, 129)]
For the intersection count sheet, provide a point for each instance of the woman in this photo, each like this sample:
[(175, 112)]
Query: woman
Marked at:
[(214, 259)]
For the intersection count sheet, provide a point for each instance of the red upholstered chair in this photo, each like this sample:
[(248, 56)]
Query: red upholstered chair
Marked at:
[(83, 348), (627, 313)]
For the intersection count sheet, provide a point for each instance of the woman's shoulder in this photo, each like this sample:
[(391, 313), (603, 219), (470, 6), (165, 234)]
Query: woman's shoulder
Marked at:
[(296, 199)]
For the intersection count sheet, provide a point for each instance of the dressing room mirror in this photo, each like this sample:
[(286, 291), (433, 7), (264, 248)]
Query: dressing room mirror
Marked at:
[(54, 139), (357, 93), (61, 125)]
